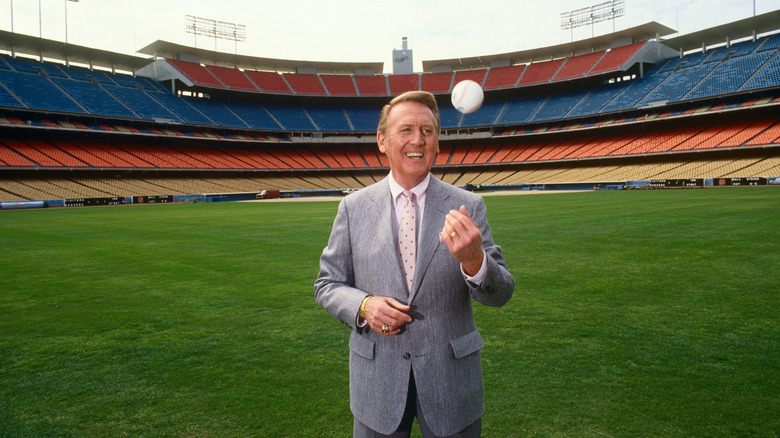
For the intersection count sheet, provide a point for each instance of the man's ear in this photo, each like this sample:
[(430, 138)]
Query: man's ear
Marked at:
[(380, 141)]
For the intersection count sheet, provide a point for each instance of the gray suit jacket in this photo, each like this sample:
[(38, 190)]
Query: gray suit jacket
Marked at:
[(441, 345)]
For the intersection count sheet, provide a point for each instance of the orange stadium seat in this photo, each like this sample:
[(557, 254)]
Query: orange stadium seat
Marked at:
[(11, 158), (370, 156), (768, 136)]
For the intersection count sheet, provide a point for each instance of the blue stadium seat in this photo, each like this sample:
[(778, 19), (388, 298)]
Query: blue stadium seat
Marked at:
[(678, 84), (520, 110), (635, 92), (770, 43), (597, 98), (292, 117), (81, 74), (449, 117), (25, 65), (151, 85), (217, 112), (102, 77), (254, 115), (364, 117), (140, 103), (94, 98), (329, 117), (183, 109), (557, 108), (125, 80), (38, 92), (486, 115), (767, 76), (670, 65), (734, 51), (730, 75), (6, 99)]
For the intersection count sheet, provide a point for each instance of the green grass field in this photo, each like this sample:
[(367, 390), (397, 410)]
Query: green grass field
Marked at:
[(636, 313)]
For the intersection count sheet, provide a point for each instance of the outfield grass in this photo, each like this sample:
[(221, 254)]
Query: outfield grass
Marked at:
[(636, 313)]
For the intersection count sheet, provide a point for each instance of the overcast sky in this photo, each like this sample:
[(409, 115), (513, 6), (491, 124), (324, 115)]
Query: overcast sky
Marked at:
[(353, 30)]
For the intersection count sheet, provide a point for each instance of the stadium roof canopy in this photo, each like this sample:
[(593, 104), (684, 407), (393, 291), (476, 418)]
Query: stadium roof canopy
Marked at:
[(748, 27), (17, 43), (639, 33), (164, 49)]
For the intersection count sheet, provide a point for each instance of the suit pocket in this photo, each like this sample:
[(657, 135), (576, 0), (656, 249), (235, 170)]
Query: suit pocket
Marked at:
[(362, 346), (467, 344)]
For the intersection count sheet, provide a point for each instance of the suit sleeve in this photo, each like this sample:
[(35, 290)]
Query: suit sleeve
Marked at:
[(334, 287), (498, 286)]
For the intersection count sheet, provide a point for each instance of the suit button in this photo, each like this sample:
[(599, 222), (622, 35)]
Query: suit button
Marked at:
[(407, 356)]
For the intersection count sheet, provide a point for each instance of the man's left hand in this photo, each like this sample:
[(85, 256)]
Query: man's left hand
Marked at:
[(464, 240)]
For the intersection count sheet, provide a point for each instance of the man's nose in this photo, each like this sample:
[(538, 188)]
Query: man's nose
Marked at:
[(418, 137)]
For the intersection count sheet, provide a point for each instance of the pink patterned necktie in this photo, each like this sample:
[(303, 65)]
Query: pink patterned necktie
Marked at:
[(407, 237)]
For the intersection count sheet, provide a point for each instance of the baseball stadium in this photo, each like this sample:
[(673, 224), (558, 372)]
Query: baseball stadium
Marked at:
[(645, 253)]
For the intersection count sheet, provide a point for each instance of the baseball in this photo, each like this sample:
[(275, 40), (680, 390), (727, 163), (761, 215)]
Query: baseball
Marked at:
[(467, 96)]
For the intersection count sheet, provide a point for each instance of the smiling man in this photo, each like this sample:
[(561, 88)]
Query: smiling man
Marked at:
[(405, 258)]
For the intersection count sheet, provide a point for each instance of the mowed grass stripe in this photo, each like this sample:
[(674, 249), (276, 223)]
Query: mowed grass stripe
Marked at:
[(636, 313)]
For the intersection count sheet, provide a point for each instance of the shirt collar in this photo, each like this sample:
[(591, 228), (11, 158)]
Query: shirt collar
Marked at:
[(418, 190)]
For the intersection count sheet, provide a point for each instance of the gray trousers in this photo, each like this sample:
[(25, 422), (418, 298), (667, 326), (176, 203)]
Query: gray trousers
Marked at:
[(360, 430)]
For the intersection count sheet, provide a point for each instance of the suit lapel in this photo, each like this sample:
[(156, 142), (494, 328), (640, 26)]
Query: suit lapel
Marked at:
[(428, 240), (380, 213)]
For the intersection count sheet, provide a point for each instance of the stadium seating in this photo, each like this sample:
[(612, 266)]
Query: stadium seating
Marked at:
[(339, 85), (307, 84), (615, 58), (402, 83), (578, 66), (199, 74), (233, 78), (503, 77), (436, 82), (371, 85), (269, 82), (329, 117), (540, 72), (38, 92)]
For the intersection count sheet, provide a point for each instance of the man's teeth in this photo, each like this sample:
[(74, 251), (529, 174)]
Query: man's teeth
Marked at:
[(414, 155)]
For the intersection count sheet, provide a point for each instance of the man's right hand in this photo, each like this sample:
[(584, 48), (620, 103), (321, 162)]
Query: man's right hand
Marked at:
[(385, 310)]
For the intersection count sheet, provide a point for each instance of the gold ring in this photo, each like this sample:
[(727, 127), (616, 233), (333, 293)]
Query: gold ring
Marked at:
[(452, 235), (385, 328)]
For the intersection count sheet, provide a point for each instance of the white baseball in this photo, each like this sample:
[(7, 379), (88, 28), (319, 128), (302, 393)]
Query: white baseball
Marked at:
[(467, 96)]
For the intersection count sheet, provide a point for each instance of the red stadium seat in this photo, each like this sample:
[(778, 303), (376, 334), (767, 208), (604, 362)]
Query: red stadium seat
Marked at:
[(615, 58), (339, 85), (233, 78), (540, 72), (197, 73)]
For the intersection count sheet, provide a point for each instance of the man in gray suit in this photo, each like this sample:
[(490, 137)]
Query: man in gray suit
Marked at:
[(414, 347)]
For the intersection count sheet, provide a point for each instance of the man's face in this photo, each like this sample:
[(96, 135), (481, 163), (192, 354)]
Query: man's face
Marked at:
[(410, 143)]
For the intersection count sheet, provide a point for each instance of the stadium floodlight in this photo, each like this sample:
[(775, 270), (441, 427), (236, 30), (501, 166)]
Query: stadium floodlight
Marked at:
[(219, 30), (594, 14)]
